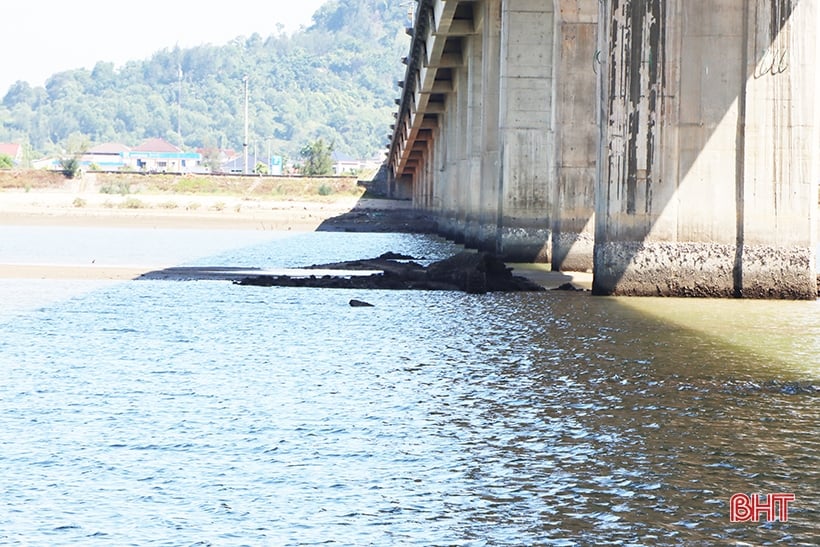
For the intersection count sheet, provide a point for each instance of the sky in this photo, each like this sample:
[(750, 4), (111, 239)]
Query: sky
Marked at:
[(41, 37)]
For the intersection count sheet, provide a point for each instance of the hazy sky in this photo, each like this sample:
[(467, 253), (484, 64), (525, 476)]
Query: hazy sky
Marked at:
[(41, 37)]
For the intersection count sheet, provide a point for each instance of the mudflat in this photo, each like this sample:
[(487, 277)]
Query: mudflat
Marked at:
[(62, 208), (82, 204), (68, 207)]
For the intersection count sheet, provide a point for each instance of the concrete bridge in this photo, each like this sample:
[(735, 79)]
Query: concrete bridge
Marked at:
[(671, 146)]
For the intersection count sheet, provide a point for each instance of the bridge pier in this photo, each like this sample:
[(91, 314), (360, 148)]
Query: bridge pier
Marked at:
[(489, 30), (576, 135), (708, 154), (670, 145), (474, 88), (478, 135), (525, 130)]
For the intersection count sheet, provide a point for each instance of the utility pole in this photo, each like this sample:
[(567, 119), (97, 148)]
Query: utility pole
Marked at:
[(179, 107), (245, 143)]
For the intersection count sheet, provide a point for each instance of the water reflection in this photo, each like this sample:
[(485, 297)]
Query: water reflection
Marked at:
[(779, 337), (598, 429), (208, 412)]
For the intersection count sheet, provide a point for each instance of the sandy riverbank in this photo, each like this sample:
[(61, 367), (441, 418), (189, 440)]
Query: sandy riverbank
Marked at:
[(60, 208), (63, 207)]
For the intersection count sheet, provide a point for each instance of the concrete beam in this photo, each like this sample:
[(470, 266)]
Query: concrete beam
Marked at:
[(446, 60), (430, 122), (436, 107), (458, 27), (432, 32), (442, 86)]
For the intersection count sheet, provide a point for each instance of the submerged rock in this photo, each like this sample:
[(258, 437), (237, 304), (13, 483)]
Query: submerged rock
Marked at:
[(474, 273), (478, 273), (568, 287)]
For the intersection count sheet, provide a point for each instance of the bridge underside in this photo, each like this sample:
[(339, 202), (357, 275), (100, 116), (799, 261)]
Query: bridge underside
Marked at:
[(671, 146)]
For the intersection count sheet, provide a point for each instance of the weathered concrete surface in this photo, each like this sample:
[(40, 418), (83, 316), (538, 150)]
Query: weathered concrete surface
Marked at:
[(670, 145), (525, 129), (665, 269), (487, 236), (474, 273), (476, 129), (704, 270), (576, 136), (708, 164), (550, 279), (508, 180)]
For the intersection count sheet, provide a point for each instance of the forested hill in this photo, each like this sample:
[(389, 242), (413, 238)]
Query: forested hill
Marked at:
[(334, 80)]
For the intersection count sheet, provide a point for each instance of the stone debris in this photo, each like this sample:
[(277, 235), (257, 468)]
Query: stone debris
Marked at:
[(474, 273)]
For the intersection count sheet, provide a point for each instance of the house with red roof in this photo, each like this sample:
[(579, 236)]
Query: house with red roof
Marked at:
[(160, 156), (12, 150)]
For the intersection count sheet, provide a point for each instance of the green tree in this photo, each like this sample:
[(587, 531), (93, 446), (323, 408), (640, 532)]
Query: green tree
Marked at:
[(211, 159), (334, 79), (5, 162), (317, 158), (70, 167), (77, 144)]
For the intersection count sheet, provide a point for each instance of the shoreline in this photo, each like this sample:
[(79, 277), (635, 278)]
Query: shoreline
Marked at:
[(52, 207), (59, 207), (70, 272), (183, 211)]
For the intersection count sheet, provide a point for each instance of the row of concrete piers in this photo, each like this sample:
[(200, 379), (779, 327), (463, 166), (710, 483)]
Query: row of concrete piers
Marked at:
[(672, 147)]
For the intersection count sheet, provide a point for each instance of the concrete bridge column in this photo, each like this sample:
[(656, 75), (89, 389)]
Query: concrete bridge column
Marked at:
[(463, 181), (475, 104), (780, 151), (450, 174), (444, 177), (576, 135), (526, 133), (401, 187), (420, 187), (427, 176), (437, 162), (708, 153), (490, 178)]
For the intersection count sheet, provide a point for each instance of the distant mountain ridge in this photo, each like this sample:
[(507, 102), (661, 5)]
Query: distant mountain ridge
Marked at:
[(334, 80)]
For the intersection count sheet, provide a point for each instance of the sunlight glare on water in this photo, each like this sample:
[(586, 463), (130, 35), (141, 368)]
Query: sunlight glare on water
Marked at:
[(784, 334), (205, 412)]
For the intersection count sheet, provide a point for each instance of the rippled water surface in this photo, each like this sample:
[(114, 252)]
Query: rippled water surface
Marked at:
[(178, 413)]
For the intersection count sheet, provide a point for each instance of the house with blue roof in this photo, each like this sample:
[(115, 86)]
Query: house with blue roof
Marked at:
[(160, 156)]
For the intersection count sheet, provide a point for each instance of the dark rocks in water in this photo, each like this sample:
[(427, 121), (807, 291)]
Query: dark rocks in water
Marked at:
[(359, 304), (792, 388), (198, 273), (390, 266), (478, 273), (781, 387), (474, 273), (568, 287), (394, 220), (390, 255)]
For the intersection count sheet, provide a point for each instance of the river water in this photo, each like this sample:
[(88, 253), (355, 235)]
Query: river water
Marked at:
[(206, 413)]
